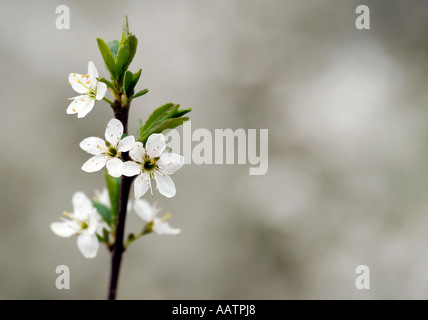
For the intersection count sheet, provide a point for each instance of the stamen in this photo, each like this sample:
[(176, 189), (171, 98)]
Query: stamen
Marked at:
[(167, 216), (88, 82), (87, 76)]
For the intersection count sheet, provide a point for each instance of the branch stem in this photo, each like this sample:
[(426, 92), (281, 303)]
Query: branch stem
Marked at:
[(120, 113)]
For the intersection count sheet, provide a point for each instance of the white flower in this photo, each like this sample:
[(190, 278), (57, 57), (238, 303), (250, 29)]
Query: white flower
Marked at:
[(152, 163), (148, 213), (90, 89), (84, 222), (107, 153)]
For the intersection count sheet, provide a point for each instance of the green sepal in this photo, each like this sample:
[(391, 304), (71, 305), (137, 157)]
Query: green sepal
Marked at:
[(105, 237)]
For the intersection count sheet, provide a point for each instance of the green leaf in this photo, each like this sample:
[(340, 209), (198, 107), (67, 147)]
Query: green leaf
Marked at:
[(104, 212), (130, 81), (108, 57), (125, 55), (140, 93), (113, 187), (156, 115), (125, 28), (127, 83), (165, 117), (136, 76), (182, 112), (114, 47), (169, 124), (108, 83)]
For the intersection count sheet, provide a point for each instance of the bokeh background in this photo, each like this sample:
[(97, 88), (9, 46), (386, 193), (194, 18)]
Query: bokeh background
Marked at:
[(348, 159)]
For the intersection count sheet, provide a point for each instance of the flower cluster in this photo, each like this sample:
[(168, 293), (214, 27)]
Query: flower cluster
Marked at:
[(147, 163), (93, 220), (87, 223)]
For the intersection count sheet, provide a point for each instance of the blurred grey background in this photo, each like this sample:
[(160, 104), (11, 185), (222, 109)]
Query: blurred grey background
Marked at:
[(348, 160)]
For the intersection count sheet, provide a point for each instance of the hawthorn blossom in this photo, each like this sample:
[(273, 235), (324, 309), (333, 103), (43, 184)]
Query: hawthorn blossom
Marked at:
[(149, 212), (151, 163), (107, 153), (84, 222), (90, 89)]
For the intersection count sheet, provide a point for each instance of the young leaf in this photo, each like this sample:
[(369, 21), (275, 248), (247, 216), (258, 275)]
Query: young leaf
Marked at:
[(113, 187), (125, 28), (125, 55), (108, 57), (104, 212), (140, 93), (156, 115), (165, 117), (159, 128), (136, 77), (182, 112), (130, 81), (127, 83), (114, 47)]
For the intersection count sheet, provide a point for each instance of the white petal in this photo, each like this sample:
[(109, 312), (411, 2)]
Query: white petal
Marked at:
[(137, 152), (162, 227), (82, 206), (94, 145), (85, 107), (101, 90), (165, 185), (103, 197), (170, 162), (141, 185), (96, 163), (93, 221), (144, 210), (88, 245), (126, 144), (64, 229), (131, 169), (80, 200), (114, 131), (77, 82), (92, 72), (72, 107), (155, 145), (114, 167)]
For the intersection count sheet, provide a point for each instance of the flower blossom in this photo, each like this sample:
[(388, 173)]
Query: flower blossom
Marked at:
[(107, 153), (149, 213), (151, 163), (90, 89), (85, 222)]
